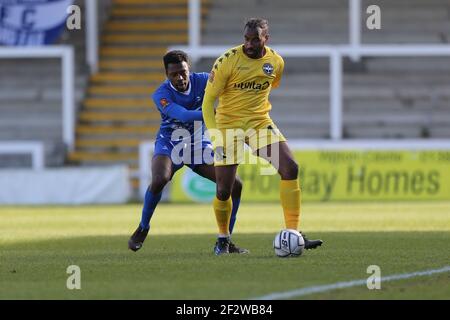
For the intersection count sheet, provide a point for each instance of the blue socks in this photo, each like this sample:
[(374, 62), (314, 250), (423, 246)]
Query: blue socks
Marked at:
[(236, 202), (150, 202)]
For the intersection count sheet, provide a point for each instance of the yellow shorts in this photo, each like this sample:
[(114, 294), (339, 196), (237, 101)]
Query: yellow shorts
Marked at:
[(230, 143)]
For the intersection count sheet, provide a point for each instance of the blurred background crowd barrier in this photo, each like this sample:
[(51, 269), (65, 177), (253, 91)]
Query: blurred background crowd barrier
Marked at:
[(366, 109)]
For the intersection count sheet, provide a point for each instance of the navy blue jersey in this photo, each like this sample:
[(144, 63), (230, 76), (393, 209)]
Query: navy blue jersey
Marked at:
[(180, 110)]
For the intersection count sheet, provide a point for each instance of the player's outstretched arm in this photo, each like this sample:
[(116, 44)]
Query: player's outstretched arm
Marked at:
[(178, 112), (175, 111)]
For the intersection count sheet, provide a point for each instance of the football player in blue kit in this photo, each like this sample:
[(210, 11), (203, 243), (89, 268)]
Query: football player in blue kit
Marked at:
[(179, 100)]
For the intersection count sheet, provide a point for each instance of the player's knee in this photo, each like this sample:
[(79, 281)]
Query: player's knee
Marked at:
[(223, 193), (289, 171), (158, 183)]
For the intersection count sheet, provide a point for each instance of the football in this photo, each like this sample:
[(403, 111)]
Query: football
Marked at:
[(288, 243)]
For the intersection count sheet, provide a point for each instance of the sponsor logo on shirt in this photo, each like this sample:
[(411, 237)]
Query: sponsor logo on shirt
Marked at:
[(252, 85)]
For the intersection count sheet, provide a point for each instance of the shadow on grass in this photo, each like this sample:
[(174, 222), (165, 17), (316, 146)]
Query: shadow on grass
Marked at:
[(184, 266)]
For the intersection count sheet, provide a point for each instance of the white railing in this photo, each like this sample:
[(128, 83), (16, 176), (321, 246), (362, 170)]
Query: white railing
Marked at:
[(335, 53), (66, 54), (194, 21), (35, 148)]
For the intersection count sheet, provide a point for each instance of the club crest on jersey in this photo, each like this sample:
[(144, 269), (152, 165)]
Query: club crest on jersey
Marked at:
[(164, 103), (267, 68)]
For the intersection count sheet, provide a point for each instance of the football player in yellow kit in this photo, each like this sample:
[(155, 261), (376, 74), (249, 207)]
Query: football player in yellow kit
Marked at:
[(242, 79)]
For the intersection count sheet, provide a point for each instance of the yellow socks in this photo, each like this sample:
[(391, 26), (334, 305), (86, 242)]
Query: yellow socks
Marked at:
[(222, 210), (290, 201)]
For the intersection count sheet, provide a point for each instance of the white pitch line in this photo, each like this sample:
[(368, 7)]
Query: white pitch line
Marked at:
[(348, 284)]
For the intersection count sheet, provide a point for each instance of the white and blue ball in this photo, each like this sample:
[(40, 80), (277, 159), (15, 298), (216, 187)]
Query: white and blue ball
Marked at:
[(288, 243)]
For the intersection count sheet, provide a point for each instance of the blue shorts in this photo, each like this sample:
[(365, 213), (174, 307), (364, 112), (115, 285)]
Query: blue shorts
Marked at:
[(182, 153)]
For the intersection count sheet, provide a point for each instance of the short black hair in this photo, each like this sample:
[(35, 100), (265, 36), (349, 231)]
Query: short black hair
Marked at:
[(175, 56), (254, 23)]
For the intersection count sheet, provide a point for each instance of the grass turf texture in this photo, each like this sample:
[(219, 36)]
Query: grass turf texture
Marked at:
[(176, 262)]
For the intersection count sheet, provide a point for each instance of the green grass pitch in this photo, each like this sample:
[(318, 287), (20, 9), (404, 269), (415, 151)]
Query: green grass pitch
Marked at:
[(37, 244)]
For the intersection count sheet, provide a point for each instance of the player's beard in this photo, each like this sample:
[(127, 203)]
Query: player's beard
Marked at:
[(254, 53)]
